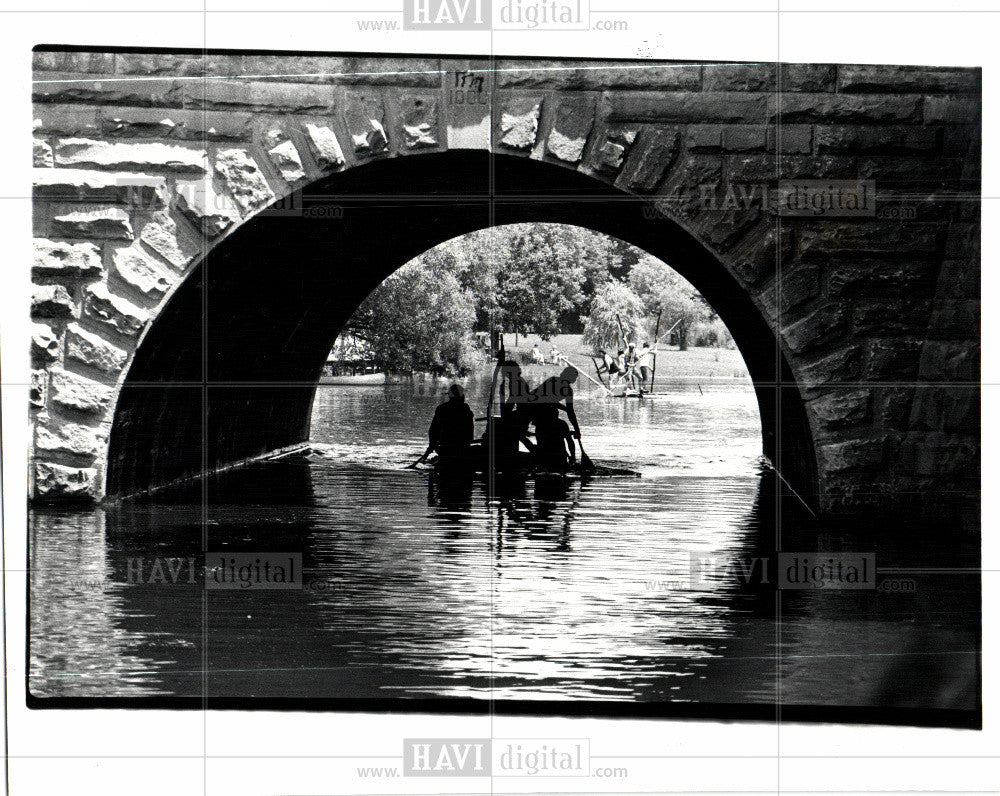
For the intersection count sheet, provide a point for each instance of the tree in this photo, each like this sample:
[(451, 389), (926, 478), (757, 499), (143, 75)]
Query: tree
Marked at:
[(419, 319), (614, 300), (539, 283), (660, 287), (530, 277)]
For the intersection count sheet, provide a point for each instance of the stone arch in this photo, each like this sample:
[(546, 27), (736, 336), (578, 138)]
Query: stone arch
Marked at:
[(282, 285)]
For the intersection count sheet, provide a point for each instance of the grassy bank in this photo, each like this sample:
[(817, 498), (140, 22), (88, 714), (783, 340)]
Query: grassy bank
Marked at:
[(695, 363)]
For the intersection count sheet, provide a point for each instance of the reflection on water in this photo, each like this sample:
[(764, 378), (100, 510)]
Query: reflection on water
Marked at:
[(540, 589)]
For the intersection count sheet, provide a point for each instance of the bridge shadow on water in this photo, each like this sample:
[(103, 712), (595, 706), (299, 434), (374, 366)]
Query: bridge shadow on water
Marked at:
[(551, 596)]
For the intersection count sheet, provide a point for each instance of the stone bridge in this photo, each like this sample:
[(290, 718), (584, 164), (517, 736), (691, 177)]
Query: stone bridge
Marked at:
[(204, 224)]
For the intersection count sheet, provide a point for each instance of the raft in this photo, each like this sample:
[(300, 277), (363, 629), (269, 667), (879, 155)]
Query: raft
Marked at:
[(477, 462)]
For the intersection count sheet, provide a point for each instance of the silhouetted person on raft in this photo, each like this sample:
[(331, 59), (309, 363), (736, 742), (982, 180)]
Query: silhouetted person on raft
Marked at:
[(554, 446), (511, 428), (452, 428), (552, 395)]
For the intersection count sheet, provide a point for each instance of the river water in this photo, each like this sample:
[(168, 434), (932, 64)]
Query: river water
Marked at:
[(541, 591)]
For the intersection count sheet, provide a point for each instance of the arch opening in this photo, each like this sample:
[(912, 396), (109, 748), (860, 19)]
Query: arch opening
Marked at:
[(229, 368)]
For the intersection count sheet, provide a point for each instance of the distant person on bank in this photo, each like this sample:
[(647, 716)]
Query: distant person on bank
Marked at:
[(646, 363)]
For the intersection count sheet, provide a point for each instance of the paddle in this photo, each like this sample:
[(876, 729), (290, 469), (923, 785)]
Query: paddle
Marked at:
[(421, 460), (585, 463)]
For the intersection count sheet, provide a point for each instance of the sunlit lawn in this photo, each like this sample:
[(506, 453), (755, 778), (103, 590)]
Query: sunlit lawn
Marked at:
[(674, 364)]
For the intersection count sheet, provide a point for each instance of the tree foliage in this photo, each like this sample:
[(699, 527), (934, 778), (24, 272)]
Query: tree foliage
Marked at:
[(545, 279), (660, 287), (614, 300), (419, 320)]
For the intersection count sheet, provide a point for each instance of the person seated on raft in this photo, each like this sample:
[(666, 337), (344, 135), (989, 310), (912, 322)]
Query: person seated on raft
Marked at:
[(551, 396), (452, 428), (555, 450)]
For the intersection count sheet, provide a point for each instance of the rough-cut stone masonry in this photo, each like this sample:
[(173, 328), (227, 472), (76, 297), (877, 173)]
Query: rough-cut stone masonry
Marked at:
[(878, 316)]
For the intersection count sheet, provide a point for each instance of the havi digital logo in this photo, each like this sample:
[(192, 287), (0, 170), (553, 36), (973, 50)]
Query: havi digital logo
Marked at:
[(447, 14)]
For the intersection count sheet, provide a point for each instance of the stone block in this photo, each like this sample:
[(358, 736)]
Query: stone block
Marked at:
[(210, 210), (162, 236), (244, 180), (959, 279), (892, 406), (182, 125), (792, 288), (74, 121), (78, 393), (519, 121), (702, 137), (596, 76), (947, 407), (101, 63), (840, 367), (790, 139), (955, 318), (154, 64), (822, 326), (110, 223), (139, 273), (79, 185), (743, 138), (842, 108), (856, 454), (570, 129), (58, 481), (149, 157), (739, 77), (88, 348), (41, 154), (71, 439), (325, 147), (885, 79), (866, 239), (113, 311), (44, 344), (903, 317), (365, 120), (808, 77), (419, 119), (651, 158), (950, 361), (66, 88), (65, 261), (856, 139), (610, 155), (688, 108), (406, 71), (38, 389), (260, 96), (892, 359), (963, 241), (878, 278), (841, 407), (943, 454), (52, 301), (286, 159), (758, 256)]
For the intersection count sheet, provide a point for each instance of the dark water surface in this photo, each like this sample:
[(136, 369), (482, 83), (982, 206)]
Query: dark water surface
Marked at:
[(555, 590)]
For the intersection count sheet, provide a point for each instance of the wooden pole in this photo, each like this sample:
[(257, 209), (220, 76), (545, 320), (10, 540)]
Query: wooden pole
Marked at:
[(586, 376), (656, 334), (597, 368)]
